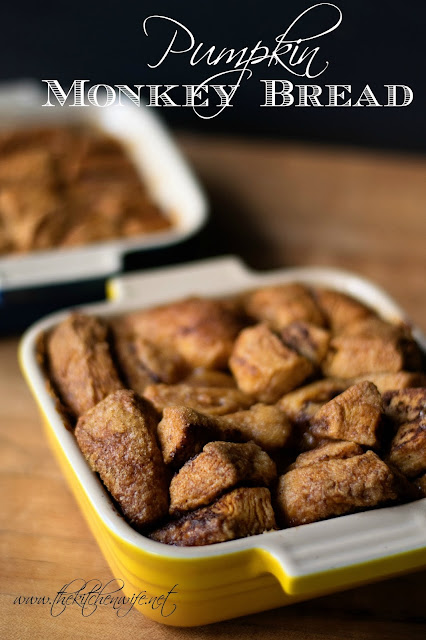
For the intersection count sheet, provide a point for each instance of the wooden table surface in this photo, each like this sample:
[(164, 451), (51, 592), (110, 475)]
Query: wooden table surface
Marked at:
[(276, 205)]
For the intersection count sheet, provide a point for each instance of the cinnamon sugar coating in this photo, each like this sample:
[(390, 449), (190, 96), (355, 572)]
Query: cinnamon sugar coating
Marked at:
[(224, 403), (239, 513), (80, 362), (334, 487), (118, 439), (354, 415), (220, 466), (264, 367)]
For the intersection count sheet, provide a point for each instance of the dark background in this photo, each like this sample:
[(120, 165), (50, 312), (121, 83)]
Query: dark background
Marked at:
[(378, 43)]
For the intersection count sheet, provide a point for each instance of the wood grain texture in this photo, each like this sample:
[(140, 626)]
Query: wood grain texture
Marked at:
[(284, 205), (290, 205)]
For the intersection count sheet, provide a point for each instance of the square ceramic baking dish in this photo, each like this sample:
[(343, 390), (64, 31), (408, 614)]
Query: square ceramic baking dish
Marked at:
[(66, 274), (234, 578)]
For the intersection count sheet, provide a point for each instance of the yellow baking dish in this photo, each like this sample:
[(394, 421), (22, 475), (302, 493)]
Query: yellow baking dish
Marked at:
[(195, 586)]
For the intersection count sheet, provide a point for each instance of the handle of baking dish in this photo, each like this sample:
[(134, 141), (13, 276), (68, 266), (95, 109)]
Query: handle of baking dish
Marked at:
[(195, 278), (342, 552)]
